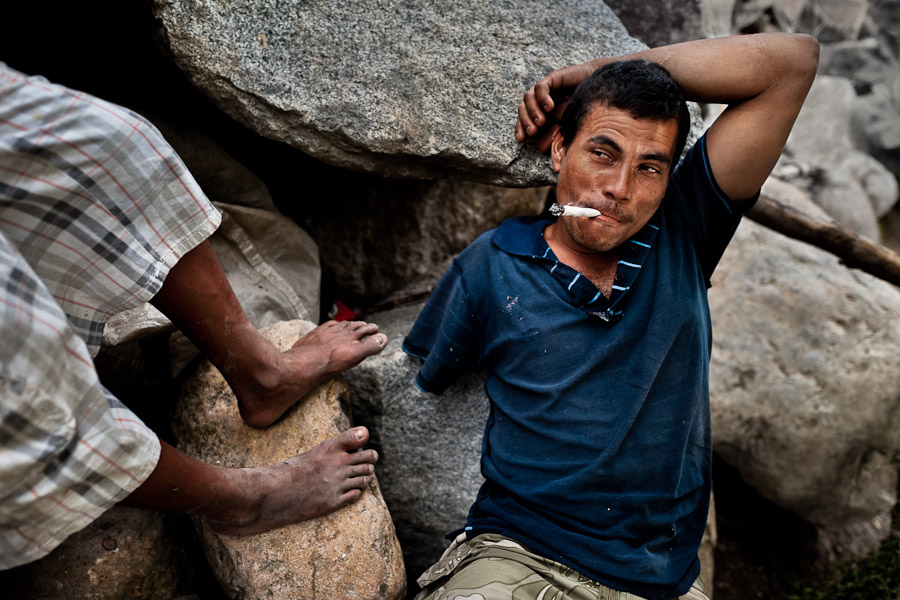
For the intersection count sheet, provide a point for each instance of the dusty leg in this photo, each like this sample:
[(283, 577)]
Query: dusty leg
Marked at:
[(245, 501), (199, 300)]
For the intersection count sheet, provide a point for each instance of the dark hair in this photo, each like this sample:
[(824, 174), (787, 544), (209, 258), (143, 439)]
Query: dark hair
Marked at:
[(642, 88)]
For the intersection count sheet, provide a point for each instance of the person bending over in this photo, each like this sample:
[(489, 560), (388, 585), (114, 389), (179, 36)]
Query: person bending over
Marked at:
[(99, 215)]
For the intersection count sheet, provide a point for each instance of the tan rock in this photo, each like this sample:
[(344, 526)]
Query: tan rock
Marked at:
[(126, 553), (351, 553)]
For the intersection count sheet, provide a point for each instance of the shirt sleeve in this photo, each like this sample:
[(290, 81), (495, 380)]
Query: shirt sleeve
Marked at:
[(445, 336), (69, 449), (710, 216)]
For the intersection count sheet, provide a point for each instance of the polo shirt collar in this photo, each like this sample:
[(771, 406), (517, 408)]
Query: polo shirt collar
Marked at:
[(524, 236)]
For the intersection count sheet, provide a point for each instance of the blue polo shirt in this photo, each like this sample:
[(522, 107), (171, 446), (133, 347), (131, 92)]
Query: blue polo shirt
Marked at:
[(597, 450)]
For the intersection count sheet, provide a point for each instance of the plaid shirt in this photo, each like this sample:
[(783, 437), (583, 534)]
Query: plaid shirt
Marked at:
[(95, 207)]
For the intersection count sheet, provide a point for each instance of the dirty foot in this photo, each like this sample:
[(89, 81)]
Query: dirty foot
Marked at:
[(310, 485), (274, 380)]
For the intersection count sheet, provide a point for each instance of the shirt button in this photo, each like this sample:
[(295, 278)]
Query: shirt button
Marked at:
[(619, 277)]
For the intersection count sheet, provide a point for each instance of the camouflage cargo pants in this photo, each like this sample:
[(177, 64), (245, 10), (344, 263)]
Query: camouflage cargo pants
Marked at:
[(493, 567)]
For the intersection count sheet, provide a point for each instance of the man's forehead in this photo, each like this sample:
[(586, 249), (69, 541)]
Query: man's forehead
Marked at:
[(604, 124)]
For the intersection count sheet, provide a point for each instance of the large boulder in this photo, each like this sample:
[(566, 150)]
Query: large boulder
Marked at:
[(403, 233), (805, 382), (351, 553), (126, 553), (403, 89)]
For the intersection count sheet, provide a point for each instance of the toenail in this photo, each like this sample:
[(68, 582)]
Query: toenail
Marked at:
[(360, 434)]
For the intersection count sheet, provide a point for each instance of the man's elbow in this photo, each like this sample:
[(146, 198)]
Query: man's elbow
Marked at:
[(806, 56)]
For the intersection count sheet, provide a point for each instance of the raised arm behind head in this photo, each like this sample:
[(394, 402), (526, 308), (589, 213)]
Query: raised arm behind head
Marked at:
[(763, 78)]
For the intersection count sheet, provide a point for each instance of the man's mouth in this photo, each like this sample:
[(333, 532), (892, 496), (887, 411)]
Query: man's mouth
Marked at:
[(608, 211)]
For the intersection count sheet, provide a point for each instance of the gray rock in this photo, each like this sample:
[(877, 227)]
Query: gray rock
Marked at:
[(430, 446), (398, 88), (385, 239), (822, 132), (890, 230), (842, 196), (673, 21), (830, 20), (126, 553), (879, 184), (851, 186), (350, 553), (794, 197), (861, 61), (884, 22), (842, 19), (221, 177), (804, 386), (877, 116)]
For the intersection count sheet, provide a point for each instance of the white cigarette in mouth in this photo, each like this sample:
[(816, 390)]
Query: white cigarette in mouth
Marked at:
[(573, 211)]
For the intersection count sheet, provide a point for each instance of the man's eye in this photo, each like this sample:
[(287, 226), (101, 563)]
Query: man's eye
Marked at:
[(601, 154), (652, 170)]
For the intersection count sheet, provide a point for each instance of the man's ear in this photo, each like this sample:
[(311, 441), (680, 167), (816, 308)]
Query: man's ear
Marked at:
[(557, 151)]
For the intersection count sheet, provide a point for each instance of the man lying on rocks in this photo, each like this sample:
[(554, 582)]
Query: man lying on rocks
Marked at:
[(595, 330), (98, 215)]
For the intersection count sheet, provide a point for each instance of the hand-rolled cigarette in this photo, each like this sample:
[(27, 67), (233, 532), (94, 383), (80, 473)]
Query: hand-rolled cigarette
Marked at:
[(573, 211)]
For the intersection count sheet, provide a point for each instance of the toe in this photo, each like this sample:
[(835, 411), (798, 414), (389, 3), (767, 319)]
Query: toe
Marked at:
[(364, 457), (366, 329), (350, 496), (353, 439), (360, 470), (374, 344)]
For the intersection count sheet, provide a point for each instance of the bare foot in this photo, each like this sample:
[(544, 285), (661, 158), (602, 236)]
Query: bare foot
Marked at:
[(310, 485), (277, 380)]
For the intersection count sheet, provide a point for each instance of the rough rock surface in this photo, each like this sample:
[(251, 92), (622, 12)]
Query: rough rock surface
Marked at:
[(222, 178), (794, 197), (404, 233), (805, 379), (126, 553), (832, 20), (430, 446), (351, 553), (672, 21), (851, 186), (399, 88)]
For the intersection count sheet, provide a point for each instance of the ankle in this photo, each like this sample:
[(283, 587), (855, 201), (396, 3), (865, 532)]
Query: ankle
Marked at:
[(241, 501)]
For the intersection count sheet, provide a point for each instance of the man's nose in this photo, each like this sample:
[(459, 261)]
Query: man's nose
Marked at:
[(618, 183)]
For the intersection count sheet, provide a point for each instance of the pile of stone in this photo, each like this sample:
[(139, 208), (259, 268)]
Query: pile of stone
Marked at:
[(411, 107)]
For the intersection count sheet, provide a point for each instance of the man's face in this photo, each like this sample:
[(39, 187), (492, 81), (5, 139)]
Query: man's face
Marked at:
[(618, 165)]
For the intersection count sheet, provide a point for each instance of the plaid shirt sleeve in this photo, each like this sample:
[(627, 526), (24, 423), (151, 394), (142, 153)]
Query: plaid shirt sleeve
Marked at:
[(94, 198), (68, 449)]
